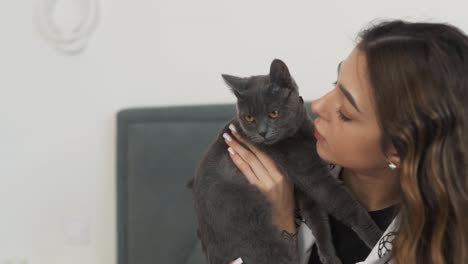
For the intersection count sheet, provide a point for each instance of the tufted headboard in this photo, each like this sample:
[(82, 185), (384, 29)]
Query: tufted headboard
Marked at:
[(157, 153)]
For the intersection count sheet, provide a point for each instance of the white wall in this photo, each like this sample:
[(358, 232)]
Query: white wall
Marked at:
[(57, 113)]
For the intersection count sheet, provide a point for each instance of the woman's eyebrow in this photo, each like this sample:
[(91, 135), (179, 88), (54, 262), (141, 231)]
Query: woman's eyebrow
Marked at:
[(346, 93)]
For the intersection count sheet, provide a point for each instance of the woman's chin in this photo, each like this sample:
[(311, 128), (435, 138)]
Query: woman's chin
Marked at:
[(319, 149)]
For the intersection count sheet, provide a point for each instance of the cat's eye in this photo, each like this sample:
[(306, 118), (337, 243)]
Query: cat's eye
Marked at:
[(249, 118), (274, 114)]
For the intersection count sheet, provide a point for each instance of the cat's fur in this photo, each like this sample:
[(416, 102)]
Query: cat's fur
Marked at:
[(234, 217)]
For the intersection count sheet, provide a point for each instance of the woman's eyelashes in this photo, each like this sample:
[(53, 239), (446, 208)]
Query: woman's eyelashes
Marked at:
[(341, 116)]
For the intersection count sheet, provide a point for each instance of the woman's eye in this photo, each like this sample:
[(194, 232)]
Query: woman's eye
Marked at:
[(274, 114), (342, 117), (249, 118)]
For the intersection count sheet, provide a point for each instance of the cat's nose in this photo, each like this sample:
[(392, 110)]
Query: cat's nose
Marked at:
[(262, 133)]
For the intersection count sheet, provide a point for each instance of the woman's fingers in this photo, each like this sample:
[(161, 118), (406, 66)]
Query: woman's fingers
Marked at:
[(245, 160), (262, 171), (243, 167), (268, 163)]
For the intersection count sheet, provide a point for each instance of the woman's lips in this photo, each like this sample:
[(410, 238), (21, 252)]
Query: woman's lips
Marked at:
[(316, 132)]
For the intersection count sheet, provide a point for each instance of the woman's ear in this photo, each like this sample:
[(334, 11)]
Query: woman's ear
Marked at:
[(392, 156)]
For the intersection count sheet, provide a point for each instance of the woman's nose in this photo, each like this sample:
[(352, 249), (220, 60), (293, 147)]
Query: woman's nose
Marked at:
[(318, 106), (314, 106)]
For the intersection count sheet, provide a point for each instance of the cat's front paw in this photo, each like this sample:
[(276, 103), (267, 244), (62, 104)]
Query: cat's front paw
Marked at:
[(371, 237)]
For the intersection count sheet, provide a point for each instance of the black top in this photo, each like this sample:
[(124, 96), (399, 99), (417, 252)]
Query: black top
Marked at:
[(349, 248)]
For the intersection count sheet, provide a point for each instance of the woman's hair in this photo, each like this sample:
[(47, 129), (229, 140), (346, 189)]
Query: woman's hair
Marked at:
[(419, 76)]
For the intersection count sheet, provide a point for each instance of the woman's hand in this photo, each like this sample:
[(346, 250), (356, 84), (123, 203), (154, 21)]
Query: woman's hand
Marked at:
[(261, 170)]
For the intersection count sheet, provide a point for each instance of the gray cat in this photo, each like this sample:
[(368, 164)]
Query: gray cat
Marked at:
[(234, 217)]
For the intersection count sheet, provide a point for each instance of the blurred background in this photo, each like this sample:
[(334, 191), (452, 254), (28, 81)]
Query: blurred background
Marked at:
[(58, 102)]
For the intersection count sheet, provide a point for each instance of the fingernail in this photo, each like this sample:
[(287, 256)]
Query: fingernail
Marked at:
[(237, 261), (232, 127), (227, 137), (231, 151)]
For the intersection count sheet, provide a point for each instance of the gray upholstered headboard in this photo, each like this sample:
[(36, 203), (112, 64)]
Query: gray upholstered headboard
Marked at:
[(157, 153)]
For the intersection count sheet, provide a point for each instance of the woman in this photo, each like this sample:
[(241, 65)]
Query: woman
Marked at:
[(395, 124)]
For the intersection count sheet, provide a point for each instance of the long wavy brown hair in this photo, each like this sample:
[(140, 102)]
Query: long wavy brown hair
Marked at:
[(419, 76)]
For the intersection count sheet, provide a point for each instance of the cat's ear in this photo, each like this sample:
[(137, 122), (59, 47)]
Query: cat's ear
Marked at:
[(279, 73), (236, 84)]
